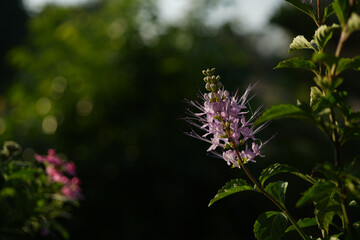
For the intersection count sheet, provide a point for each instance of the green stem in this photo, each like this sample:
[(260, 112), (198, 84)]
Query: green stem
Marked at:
[(262, 189), (335, 138), (346, 220)]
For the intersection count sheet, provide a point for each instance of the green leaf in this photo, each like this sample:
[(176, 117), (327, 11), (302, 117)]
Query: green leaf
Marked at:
[(234, 186), (340, 9), (329, 100), (309, 10), (305, 222), (60, 229), (323, 34), (348, 63), (298, 62), (316, 192), (353, 23), (326, 209), (273, 170), (270, 225), (7, 192), (284, 111), (277, 190), (327, 59), (356, 224), (24, 174), (315, 96), (300, 43), (328, 11), (306, 177)]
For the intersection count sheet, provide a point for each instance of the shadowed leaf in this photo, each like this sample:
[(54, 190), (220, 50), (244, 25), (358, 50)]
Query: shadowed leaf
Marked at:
[(234, 186), (305, 222), (270, 225), (275, 169)]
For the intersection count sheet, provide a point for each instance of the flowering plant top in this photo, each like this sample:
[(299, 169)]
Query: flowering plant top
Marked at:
[(227, 122)]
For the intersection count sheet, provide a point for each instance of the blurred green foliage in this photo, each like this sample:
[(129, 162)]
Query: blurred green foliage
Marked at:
[(103, 83), (32, 206)]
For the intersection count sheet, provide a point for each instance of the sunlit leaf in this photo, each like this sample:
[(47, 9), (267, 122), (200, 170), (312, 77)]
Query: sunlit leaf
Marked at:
[(234, 186), (299, 43), (285, 111), (298, 62), (270, 225), (353, 23), (323, 34), (315, 96)]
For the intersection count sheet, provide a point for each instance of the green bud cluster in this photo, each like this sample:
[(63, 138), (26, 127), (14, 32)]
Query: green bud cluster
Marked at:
[(212, 82)]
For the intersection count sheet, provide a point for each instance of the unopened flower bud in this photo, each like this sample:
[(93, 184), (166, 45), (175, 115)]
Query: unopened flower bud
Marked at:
[(213, 86), (226, 94), (204, 72), (211, 95), (218, 78), (206, 96), (219, 84), (212, 71), (207, 86)]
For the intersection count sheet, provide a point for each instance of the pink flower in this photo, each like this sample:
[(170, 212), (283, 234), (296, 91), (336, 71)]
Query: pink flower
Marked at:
[(70, 168), (72, 190), (58, 171)]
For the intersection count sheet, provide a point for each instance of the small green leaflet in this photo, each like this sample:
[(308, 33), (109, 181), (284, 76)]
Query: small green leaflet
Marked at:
[(328, 11), (353, 23), (309, 10), (234, 186), (270, 225), (273, 170), (277, 190), (315, 96), (305, 222), (348, 63)]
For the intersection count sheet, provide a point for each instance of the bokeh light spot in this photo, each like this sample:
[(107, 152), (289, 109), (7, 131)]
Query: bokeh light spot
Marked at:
[(49, 125), (43, 105), (116, 28), (59, 84), (84, 107)]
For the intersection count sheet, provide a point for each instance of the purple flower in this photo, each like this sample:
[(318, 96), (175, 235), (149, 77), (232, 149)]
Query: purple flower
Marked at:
[(227, 122)]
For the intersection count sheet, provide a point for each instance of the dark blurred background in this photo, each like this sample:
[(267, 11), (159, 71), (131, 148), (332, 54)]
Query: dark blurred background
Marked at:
[(103, 82)]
